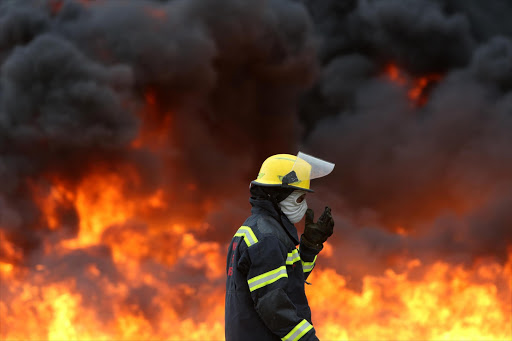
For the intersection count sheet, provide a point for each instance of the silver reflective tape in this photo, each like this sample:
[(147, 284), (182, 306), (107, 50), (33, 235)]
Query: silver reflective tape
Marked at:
[(249, 236), (308, 266), (299, 331), (267, 278), (292, 257)]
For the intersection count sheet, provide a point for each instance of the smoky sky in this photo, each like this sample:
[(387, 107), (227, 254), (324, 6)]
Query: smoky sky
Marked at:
[(439, 171), (242, 80), (75, 78)]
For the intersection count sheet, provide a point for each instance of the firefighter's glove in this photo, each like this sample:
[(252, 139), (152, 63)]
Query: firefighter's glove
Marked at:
[(317, 233)]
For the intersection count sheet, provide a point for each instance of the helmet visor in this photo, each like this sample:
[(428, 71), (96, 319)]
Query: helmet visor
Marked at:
[(307, 167)]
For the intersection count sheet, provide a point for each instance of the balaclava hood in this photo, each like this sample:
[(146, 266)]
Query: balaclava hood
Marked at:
[(293, 209)]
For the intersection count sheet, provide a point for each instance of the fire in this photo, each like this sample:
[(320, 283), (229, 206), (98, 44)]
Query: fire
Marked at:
[(35, 306), (138, 289), (435, 302), (419, 87), (9, 253), (131, 271), (56, 312), (135, 272), (155, 132), (100, 204), (395, 74), (418, 93), (447, 303)]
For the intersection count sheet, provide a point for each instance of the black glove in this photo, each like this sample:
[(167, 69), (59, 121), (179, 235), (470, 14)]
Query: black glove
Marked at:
[(317, 233)]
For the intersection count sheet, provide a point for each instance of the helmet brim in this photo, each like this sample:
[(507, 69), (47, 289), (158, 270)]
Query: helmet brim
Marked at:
[(254, 182)]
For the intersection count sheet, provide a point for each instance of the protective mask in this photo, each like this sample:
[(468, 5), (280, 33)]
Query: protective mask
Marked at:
[(292, 209)]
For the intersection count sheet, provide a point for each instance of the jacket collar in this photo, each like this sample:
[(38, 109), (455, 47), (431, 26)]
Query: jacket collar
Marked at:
[(263, 206)]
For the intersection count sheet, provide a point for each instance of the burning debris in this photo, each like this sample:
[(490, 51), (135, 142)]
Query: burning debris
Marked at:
[(129, 131)]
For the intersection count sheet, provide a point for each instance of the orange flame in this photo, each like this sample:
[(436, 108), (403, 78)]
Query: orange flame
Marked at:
[(9, 255), (418, 92), (428, 302), (447, 303), (148, 249), (35, 308), (155, 130), (395, 74), (418, 86)]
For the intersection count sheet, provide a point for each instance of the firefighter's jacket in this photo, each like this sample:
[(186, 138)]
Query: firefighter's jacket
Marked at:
[(265, 296)]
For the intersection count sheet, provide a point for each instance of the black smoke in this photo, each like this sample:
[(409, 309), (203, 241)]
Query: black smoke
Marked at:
[(441, 171), (75, 75)]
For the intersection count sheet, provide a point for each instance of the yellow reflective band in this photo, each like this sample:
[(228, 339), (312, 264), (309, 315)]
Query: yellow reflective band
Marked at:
[(308, 266), (292, 257), (299, 331), (267, 278), (246, 232)]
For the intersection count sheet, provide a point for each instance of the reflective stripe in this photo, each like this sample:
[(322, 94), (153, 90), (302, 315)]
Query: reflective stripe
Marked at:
[(308, 266), (296, 333), (246, 232), (292, 257), (267, 278)]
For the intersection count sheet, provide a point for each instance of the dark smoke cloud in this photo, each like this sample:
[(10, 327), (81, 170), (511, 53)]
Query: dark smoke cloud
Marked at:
[(19, 25), (415, 34), (492, 63), (53, 95), (228, 73), (441, 171), (487, 19), (75, 78)]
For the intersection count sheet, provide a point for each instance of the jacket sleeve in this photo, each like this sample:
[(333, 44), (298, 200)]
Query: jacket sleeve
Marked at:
[(265, 265), (308, 254)]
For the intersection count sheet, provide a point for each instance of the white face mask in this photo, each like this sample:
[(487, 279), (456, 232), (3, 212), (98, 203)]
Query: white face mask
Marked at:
[(293, 209)]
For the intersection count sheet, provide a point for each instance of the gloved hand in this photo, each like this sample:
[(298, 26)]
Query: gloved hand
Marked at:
[(317, 233)]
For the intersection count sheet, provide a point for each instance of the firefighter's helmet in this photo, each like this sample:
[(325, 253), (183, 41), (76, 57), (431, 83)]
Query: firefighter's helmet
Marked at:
[(290, 171)]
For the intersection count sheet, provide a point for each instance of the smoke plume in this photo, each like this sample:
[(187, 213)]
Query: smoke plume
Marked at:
[(439, 171)]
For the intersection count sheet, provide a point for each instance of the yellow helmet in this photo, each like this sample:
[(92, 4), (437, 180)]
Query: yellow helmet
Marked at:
[(284, 170)]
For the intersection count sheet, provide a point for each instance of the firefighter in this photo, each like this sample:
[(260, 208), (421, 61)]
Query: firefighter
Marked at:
[(266, 272)]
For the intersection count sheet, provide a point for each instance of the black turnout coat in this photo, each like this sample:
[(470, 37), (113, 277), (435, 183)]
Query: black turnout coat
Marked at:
[(266, 272)]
